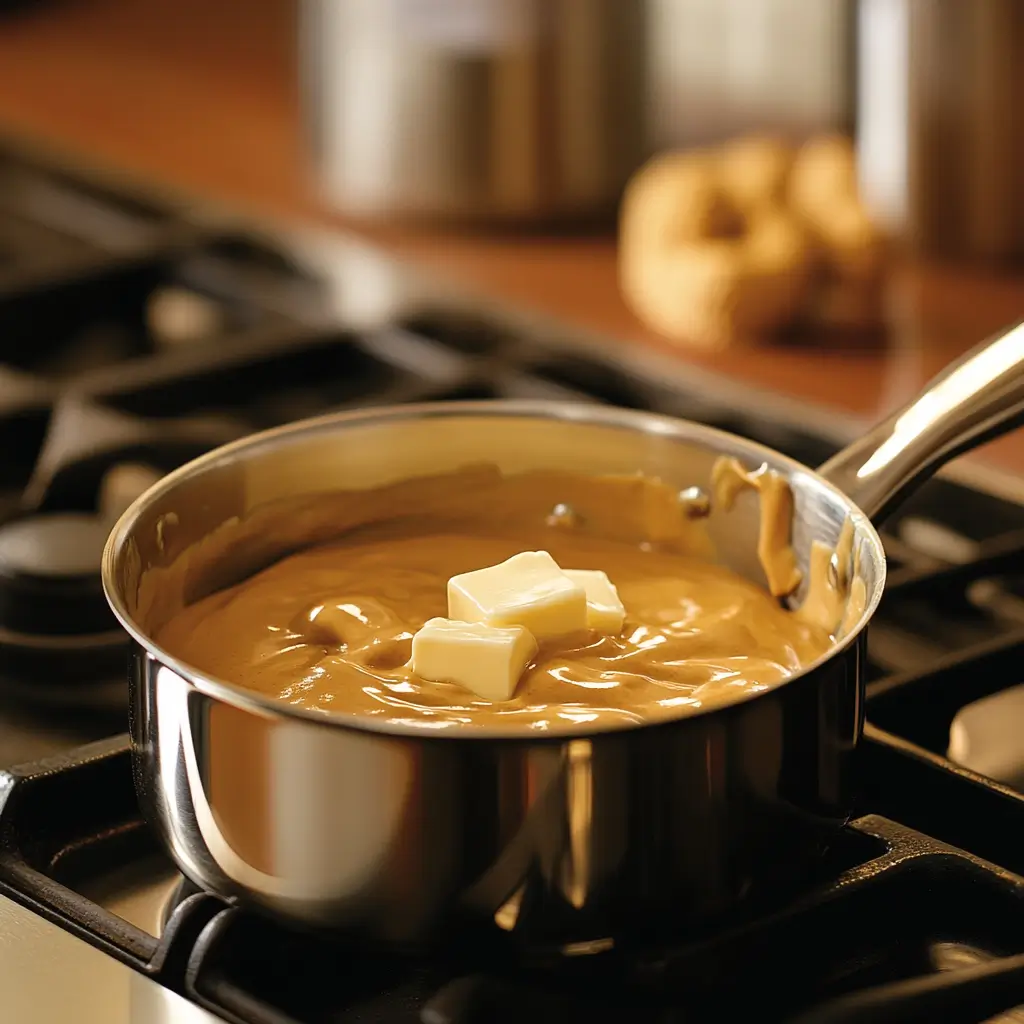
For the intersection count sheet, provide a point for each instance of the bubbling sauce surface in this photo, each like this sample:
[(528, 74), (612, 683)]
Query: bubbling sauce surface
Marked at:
[(330, 628)]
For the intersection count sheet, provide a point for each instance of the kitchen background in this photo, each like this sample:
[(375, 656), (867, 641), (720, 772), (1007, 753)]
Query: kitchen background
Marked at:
[(250, 102)]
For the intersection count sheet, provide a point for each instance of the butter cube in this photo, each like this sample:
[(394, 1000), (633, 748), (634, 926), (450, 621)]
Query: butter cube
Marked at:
[(481, 658), (605, 612), (529, 589)]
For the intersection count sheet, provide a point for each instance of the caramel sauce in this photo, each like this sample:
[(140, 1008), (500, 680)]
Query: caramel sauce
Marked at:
[(330, 628), (778, 559)]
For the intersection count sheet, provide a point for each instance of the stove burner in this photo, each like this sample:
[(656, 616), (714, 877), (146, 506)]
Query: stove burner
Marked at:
[(62, 653), (50, 576), (986, 736), (54, 546)]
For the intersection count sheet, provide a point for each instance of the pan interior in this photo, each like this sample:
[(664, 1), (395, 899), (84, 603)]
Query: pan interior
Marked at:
[(235, 511)]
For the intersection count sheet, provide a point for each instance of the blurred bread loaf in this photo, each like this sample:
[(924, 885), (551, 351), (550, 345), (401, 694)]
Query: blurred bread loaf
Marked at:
[(675, 199), (710, 258), (725, 246)]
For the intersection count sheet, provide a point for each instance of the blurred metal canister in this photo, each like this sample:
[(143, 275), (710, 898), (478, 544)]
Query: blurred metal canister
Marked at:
[(940, 133), (721, 68), (494, 110)]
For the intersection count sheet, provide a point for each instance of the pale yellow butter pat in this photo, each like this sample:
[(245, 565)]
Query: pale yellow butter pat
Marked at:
[(529, 589), (487, 660), (605, 612)]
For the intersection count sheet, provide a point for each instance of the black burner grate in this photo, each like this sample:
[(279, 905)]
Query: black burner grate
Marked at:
[(907, 914), (897, 927)]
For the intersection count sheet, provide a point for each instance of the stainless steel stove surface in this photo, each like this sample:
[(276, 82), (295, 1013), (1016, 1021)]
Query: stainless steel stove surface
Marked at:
[(48, 974), (136, 333)]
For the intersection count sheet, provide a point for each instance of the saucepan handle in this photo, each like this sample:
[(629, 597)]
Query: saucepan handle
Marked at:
[(972, 401)]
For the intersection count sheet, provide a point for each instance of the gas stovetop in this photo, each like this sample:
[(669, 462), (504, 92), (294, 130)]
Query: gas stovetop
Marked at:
[(137, 332)]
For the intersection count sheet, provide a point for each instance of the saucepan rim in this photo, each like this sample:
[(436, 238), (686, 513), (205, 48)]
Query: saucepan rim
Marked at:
[(598, 415)]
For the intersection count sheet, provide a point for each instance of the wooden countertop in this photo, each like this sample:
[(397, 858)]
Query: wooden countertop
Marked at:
[(203, 95)]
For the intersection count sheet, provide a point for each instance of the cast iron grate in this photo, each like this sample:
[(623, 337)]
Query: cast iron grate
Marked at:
[(896, 926)]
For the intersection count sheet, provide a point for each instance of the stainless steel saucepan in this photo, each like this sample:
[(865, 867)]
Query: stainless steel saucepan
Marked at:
[(398, 834)]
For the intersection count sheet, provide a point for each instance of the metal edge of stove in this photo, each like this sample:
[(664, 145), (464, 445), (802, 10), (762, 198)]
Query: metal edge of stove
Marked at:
[(48, 974), (389, 282), (32, 851)]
